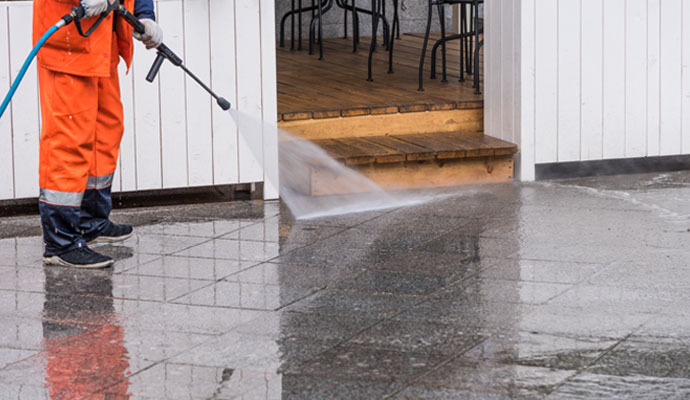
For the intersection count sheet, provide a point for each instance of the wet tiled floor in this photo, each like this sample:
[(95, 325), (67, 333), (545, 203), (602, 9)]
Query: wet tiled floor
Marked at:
[(563, 290)]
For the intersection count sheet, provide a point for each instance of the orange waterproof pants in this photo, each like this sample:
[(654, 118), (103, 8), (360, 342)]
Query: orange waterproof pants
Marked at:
[(81, 132), (80, 140)]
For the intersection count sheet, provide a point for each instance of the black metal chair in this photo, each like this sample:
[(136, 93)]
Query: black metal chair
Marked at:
[(298, 11), (318, 9), (469, 51)]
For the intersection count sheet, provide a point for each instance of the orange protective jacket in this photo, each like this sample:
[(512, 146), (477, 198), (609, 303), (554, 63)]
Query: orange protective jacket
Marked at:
[(68, 52)]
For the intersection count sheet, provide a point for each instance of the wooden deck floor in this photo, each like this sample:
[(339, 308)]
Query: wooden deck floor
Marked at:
[(337, 86)]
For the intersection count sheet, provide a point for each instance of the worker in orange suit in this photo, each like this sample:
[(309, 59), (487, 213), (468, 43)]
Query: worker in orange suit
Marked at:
[(82, 126)]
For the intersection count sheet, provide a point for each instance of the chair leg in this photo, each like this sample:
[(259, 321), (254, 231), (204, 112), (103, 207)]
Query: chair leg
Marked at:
[(292, 26), (299, 28), (395, 25), (426, 42), (442, 15), (320, 30), (355, 27), (477, 89), (374, 29), (386, 30), (475, 17), (345, 3)]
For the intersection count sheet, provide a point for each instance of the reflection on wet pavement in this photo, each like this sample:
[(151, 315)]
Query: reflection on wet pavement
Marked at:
[(561, 290)]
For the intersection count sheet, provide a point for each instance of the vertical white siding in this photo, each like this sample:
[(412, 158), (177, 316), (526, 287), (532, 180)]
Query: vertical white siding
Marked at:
[(24, 112), (175, 136), (592, 70), (6, 159), (503, 41), (599, 79)]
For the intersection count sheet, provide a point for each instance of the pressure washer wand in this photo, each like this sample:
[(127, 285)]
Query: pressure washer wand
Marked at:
[(165, 53)]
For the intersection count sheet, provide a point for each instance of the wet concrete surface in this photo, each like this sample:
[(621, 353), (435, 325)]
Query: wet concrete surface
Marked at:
[(573, 289)]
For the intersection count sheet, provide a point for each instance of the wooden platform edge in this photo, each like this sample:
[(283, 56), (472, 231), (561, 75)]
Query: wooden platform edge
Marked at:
[(421, 174), (467, 120)]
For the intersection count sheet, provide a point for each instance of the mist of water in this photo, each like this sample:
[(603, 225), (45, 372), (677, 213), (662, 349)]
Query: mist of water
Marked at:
[(348, 191)]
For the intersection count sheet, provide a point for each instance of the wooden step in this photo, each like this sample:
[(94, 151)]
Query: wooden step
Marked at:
[(417, 160), (404, 120)]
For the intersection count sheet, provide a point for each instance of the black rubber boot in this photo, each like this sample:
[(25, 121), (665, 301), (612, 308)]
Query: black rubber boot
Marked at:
[(81, 257), (112, 233)]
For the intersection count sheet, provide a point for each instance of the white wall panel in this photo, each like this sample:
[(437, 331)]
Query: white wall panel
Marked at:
[(25, 104), (600, 79), (247, 31), (653, 76), (526, 89), (128, 162), (174, 154), (614, 78), (175, 136), (198, 58), (636, 78), (269, 98), (671, 77), (223, 79), (592, 96), (569, 80), (685, 108), (6, 158), (546, 48)]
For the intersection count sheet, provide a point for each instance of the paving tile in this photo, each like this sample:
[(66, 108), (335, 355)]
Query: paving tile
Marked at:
[(542, 271), (602, 297), (10, 356), (603, 322), (22, 279), (286, 326), (181, 382), (21, 251), (183, 318), (159, 244), (258, 232), (362, 304), (249, 296), (336, 254), (429, 263), (540, 350), (209, 269), (204, 229), (472, 247), (394, 283), (254, 353), (233, 250), (418, 337), (664, 275), (595, 387), (303, 233), (292, 276), (499, 290), (21, 304), (663, 358), (353, 362), (510, 380), (300, 387), (153, 288)]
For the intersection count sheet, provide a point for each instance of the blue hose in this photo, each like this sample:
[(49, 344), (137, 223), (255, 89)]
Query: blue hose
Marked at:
[(27, 63)]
